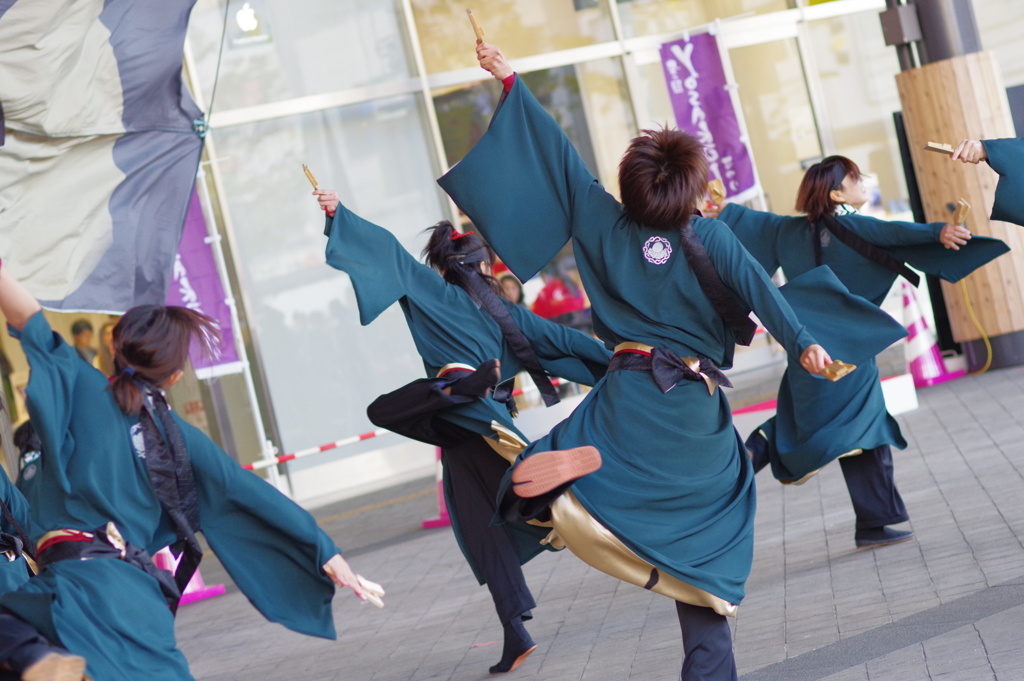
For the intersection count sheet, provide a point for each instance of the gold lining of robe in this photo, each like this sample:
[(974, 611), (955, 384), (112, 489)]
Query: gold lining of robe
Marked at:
[(596, 546)]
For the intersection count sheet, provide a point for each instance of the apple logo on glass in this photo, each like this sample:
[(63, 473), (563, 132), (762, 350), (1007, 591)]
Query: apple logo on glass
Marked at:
[(246, 19)]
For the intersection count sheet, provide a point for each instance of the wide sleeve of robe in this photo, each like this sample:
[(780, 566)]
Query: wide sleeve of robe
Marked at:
[(1006, 157), (270, 546), (918, 245), (55, 368), (757, 231), (848, 326), (748, 280), (522, 185), (382, 271), (562, 351)]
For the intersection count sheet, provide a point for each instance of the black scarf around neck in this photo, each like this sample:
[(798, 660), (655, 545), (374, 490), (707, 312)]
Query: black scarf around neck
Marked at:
[(732, 313), (170, 474), (861, 246), (28, 546), (489, 302)]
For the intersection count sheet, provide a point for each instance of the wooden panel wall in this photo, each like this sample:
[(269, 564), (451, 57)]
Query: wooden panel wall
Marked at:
[(951, 100)]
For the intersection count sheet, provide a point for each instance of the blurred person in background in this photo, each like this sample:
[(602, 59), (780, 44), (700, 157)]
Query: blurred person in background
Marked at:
[(82, 336)]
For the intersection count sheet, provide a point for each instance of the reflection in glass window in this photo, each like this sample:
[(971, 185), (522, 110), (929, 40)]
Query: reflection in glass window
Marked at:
[(783, 134), (322, 367), (465, 112), (588, 100), (654, 17), (857, 76), (521, 28), (282, 49)]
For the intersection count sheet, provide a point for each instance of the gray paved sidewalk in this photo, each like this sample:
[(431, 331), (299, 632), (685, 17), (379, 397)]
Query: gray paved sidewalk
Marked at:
[(949, 605)]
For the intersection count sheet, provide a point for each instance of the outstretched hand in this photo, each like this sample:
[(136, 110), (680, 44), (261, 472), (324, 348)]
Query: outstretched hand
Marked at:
[(954, 236), (814, 359), (969, 151), (337, 568), (328, 200), (492, 60)]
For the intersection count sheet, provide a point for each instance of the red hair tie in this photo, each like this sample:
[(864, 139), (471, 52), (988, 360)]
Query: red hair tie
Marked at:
[(456, 234)]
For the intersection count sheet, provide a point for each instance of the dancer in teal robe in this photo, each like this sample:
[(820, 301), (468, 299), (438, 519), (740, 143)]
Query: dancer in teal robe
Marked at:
[(451, 331), (94, 472), (1006, 157), (673, 500), (817, 422)]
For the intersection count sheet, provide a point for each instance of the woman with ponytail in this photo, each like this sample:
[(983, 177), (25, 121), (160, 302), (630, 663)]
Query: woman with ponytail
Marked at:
[(818, 422), (646, 479), (470, 338), (120, 477)]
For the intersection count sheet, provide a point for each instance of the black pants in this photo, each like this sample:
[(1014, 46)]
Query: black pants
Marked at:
[(474, 472), (707, 644), (872, 486), (21, 644), (414, 412)]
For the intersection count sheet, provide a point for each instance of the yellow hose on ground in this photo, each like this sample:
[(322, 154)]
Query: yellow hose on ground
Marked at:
[(977, 325)]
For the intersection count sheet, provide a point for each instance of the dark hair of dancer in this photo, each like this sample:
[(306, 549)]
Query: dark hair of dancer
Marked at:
[(663, 176), (455, 255), (819, 182), (26, 439), (151, 343)]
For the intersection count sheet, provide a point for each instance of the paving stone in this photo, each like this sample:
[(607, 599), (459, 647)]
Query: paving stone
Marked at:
[(962, 477)]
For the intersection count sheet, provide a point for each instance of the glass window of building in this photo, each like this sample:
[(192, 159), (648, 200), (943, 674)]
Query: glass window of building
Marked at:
[(780, 121), (589, 101), (321, 366), (522, 28), (276, 50), (856, 75), (999, 23), (655, 17)]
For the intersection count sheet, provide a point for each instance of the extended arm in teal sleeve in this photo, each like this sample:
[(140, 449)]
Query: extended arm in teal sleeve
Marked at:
[(751, 283), (382, 271)]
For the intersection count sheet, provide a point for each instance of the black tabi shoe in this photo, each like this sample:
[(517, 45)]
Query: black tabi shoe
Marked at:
[(518, 646), (881, 536), (480, 382), (757, 450)]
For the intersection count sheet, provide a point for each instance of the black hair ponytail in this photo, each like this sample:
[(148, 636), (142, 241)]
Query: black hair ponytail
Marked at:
[(456, 256)]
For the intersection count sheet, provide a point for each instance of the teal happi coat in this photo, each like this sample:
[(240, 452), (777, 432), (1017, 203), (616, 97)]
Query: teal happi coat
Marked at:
[(676, 485), (13, 573), (90, 474), (818, 421), (1006, 157), (448, 327)]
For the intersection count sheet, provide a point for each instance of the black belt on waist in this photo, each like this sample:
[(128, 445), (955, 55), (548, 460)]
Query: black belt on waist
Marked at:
[(668, 368), (100, 547)]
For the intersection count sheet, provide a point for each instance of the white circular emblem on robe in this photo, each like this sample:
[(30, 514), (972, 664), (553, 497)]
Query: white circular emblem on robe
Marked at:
[(657, 250)]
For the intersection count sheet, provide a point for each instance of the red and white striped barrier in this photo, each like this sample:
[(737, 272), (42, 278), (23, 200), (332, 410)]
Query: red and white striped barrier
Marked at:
[(267, 463), (555, 381)]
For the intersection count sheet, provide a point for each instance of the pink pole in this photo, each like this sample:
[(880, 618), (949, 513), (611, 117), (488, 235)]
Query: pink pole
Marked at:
[(442, 519)]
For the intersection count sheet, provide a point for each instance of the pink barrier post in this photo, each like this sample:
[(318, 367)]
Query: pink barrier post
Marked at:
[(926, 364), (196, 589), (442, 519)]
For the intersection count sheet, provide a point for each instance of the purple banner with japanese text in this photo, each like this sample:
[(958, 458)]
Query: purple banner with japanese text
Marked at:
[(703, 107), (196, 284)]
